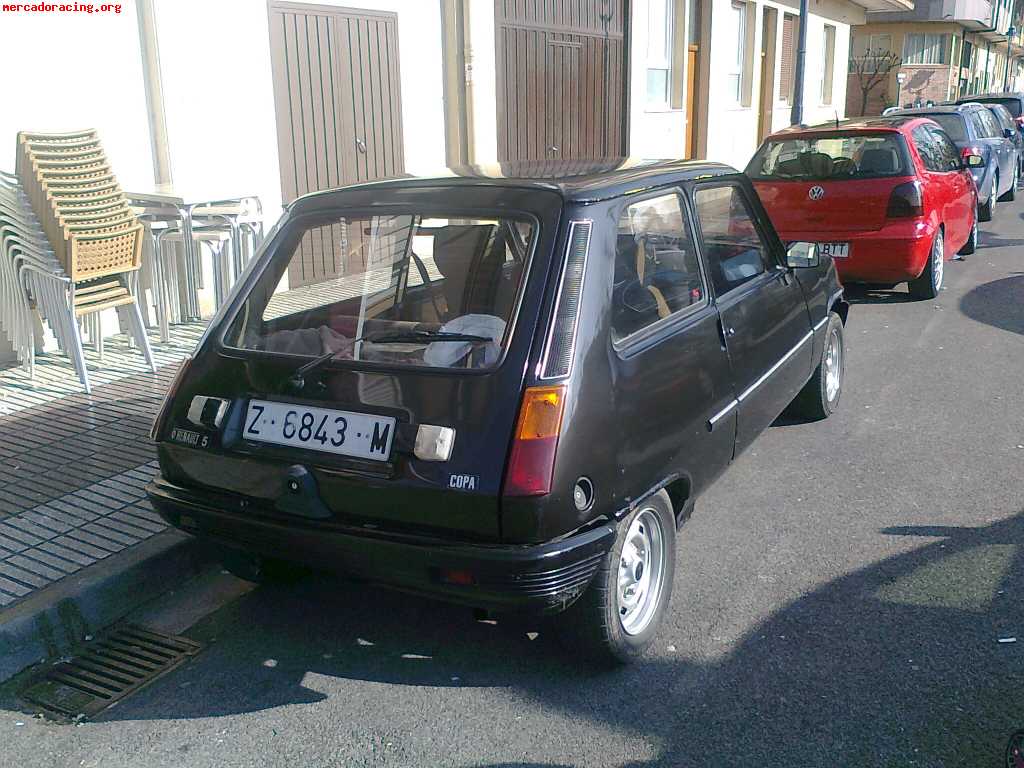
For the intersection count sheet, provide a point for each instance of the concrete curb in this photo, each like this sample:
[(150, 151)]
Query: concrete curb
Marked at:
[(50, 623)]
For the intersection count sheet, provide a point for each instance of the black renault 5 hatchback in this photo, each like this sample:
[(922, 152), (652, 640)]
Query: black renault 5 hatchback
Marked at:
[(504, 390)]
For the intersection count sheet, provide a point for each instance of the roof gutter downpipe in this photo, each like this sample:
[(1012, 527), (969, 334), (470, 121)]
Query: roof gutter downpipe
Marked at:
[(796, 115), (154, 95)]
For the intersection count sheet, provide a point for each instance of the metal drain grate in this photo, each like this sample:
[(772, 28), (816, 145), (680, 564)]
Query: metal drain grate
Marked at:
[(112, 667)]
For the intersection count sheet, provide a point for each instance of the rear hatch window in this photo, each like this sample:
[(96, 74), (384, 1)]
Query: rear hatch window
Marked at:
[(832, 157), (403, 289)]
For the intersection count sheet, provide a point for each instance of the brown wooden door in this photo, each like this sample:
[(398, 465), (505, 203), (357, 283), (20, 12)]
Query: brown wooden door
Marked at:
[(337, 98), (692, 62), (560, 78)]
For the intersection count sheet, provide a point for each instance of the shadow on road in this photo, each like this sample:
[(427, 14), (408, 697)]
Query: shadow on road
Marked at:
[(897, 664), (998, 303), (866, 294)]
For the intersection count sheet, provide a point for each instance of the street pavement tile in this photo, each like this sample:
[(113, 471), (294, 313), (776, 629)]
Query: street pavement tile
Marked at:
[(70, 553), (75, 541), (13, 588), (31, 566), (57, 563), (108, 532), (10, 571)]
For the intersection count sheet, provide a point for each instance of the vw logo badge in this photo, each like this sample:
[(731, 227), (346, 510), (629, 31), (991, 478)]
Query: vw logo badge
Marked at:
[(816, 193)]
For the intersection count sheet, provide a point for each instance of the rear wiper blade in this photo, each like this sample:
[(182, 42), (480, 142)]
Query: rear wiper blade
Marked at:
[(411, 336), (386, 338)]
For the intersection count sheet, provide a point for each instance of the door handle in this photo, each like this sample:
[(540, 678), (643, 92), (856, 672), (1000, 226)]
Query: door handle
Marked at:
[(725, 331)]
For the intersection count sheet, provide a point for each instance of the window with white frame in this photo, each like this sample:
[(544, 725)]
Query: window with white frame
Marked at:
[(921, 48), (870, 48), (828, 73), (737, 32), (659, 52)]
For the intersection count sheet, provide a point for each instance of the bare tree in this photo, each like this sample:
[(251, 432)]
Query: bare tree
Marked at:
[(873, 70)]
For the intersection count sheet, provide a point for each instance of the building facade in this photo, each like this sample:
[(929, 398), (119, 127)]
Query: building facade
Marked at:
[(942, 50)]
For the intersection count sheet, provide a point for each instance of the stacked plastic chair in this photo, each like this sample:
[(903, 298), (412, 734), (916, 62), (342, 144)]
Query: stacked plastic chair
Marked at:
[(70, 246)]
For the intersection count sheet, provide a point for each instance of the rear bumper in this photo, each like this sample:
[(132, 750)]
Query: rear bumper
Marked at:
[(541, 578), (893, 254)]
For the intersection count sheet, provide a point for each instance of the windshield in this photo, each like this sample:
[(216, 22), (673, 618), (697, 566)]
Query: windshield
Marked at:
[(403, 289), (835, 157)]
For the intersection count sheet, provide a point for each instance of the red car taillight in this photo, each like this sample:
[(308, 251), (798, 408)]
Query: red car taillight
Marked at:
[(532, 459), (161, 415), (906, 202)]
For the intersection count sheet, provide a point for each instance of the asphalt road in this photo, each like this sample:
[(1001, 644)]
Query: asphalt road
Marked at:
[(838, 601)]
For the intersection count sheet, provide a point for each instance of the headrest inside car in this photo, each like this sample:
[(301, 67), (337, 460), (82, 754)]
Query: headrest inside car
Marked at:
[(879, 161)]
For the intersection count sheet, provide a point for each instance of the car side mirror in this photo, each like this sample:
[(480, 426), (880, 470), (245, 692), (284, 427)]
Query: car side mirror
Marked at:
[(802, 255), (1008, 133), (973, 161)]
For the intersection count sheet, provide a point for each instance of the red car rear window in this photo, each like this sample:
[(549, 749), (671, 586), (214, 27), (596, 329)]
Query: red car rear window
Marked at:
[(833, 157)]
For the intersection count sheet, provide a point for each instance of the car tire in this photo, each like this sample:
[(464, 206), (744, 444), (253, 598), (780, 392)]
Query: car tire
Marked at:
[(928, 285), (820, 396), (608, 623), (972, 240)]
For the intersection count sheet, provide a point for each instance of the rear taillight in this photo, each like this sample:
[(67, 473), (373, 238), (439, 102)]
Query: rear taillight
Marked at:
[(165, 407), (905, 202), (532, 459)]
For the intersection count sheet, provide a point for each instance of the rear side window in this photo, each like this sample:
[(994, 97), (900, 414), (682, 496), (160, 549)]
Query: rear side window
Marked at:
[(990, 123), (937, 152), (734, 250), (952, 125), (657, 273), (946, 149), (834, 157)]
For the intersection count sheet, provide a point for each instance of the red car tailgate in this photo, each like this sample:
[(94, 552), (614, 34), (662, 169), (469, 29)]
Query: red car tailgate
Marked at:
[(853, 205)]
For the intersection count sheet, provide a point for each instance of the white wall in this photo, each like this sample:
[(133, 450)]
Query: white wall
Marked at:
[(220, 101), (654, 132), (732, 129), (65, 72)]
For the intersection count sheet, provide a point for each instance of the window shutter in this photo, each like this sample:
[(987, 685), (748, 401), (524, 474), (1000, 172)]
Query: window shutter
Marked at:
[(787, 68)]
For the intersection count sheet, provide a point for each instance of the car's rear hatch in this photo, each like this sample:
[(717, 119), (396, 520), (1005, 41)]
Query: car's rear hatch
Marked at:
[(829, 182), (406, 267)]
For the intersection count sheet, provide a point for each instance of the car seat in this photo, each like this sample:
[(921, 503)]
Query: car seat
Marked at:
[(879, 160)]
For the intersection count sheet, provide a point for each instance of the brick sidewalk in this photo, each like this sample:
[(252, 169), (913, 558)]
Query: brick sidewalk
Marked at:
[(73, 466)]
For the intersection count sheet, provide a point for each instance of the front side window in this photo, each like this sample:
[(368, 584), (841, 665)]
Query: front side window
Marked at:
[(856, 156), (733, 248), (925, 49), (657, 274), (420, 290)]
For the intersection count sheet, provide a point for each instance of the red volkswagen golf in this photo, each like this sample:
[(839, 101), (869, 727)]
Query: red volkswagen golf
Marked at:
[(890, 199)]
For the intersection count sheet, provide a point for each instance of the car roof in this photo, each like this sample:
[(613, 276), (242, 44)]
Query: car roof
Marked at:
[(993, 95), (939, 109), (574, 180), (894, 123)]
